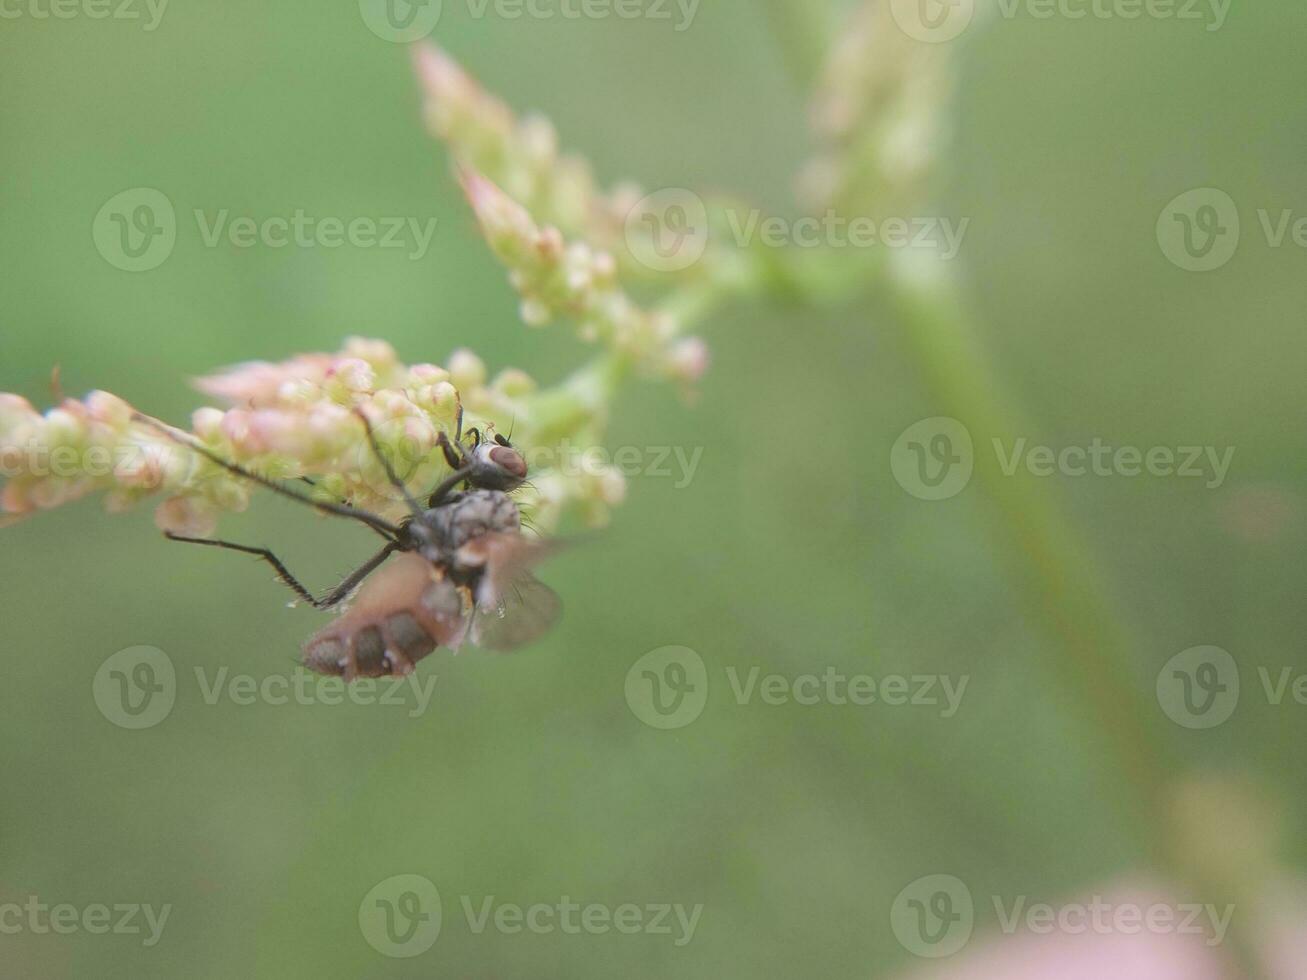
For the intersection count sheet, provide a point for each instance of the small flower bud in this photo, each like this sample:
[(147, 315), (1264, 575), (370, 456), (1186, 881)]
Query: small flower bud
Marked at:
[(466, 370), (187, 516)]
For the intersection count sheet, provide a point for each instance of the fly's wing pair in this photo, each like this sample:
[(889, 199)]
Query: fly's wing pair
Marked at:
[(513, 607)]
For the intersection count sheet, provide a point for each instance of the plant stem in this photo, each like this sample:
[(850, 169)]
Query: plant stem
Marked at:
[(1096, 662), (802, 27)]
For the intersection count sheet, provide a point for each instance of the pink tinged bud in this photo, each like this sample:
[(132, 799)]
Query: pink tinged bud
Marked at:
[(276, 431), (141, 466), (506, 224), (207, 424), (252, 382), (427, 374), (535, 313), (378, 353), (444, 396), (604, 267), (389, 404), (417, 441), (19, 422), (349, 377), (258, 383), (611, 486), (188, 516), (14, 499), (466, 370), (297, 393), (236, 430), (51, 492), (551, 245), (579, 279), (229, 495), (109, 410), (118, 501), (64, 427), (439, 75), (14, 407), (689, 360), (514, 383), (331, 425), (539, 139)]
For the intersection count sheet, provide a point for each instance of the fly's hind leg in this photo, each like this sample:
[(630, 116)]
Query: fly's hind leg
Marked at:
[(333, 598)]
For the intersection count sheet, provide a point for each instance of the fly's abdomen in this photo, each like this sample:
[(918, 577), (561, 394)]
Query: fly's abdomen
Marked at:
[(390, 647), (372, 641)]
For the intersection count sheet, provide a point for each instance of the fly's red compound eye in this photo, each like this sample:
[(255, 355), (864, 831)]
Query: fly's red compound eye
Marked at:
[(509, 460)]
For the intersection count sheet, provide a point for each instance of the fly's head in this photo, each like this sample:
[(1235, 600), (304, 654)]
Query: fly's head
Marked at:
[(497, 466), (491, 464)]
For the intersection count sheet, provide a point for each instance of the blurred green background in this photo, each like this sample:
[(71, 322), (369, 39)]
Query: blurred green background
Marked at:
[(792, 550)]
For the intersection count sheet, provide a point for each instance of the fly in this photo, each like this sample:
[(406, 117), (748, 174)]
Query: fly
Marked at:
[(461, 568)]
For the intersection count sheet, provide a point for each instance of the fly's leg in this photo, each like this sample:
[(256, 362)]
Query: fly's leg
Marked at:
[(333, 598)]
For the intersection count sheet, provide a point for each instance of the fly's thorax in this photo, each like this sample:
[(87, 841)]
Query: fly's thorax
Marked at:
[(471, 515)]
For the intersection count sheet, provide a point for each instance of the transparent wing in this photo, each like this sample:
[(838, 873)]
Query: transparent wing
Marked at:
[(524, 611)]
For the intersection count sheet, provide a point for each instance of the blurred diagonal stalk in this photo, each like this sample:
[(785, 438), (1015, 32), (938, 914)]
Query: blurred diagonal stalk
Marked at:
[(1057, 563), (803, 30), (1060, 571)]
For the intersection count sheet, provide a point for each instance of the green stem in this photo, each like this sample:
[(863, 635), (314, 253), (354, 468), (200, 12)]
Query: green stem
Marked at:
[(802, 27), (1095, 663)]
